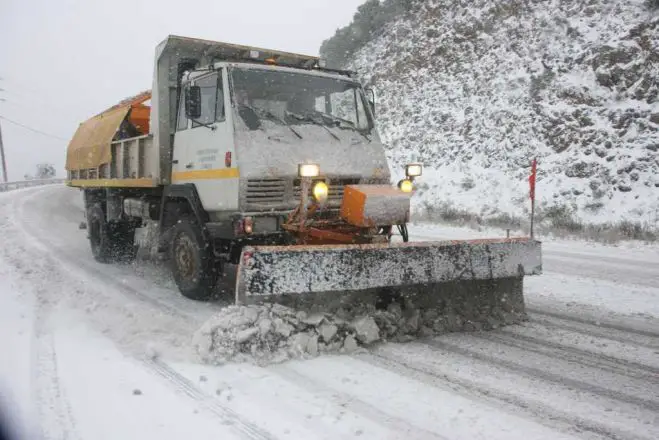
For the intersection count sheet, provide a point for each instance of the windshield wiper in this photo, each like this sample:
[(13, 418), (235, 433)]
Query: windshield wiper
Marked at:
[(308, 118), (340, 121), (212, 126), (272, 116)]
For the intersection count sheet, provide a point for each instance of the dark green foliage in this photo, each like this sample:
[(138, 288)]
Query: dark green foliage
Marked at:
[(652, 4), (367, 23), (561, 217)]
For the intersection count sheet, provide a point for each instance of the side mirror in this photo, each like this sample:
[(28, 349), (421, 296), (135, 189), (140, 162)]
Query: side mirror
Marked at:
[(370, 97), (193, 102)]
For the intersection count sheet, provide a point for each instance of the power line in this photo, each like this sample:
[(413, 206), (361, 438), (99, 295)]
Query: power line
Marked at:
[(29, 93), (33, 129)]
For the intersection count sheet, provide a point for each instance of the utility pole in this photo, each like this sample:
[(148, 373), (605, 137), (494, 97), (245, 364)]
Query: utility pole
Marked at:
[(2, 157), (2, 149)]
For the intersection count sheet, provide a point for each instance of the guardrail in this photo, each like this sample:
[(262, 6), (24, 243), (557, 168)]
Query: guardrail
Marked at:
[(27, 183)]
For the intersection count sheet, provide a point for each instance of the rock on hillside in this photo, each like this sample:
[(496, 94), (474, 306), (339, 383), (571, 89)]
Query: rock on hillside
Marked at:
[(476, 88)]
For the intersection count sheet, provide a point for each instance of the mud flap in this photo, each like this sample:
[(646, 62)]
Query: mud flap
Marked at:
[(480, 271)]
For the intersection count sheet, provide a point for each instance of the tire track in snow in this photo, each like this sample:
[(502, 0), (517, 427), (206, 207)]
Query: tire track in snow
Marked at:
[(594, 328), (54, 409), (652, 405), (601, 323), (573, 354), (542, 413), (229, 417), (617, 262), (352, 403), (594, 268), (55, 412)]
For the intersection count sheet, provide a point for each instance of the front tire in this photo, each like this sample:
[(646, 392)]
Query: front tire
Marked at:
[(192, 261)]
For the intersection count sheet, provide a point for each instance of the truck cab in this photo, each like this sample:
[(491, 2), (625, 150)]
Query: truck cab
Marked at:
[(243, 128)]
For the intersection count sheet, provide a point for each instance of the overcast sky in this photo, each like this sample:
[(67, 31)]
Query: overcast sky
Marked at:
[(62, 61)]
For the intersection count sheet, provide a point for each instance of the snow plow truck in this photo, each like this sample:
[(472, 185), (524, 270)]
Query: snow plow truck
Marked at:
[(266, 168)]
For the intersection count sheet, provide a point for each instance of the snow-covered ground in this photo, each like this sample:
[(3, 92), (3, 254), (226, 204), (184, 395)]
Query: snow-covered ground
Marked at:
[(94, 351)]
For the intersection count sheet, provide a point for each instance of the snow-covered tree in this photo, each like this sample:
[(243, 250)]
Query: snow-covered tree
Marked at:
[(45, 171)]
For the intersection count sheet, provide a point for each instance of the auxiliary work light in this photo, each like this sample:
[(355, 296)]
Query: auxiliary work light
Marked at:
[(308, 170)]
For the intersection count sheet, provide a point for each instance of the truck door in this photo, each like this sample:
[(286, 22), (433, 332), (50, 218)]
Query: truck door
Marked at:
[(203, 148)]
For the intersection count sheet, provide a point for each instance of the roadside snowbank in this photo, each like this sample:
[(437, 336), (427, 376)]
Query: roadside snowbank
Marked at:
[(274, 333)]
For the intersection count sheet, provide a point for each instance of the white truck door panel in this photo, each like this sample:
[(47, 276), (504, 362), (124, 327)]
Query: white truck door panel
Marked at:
[(182, 124), (201, 149)]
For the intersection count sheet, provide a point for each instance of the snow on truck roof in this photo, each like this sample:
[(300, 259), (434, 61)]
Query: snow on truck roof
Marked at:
[(226, 51), (246, 65), (213, 51), (90, 145)]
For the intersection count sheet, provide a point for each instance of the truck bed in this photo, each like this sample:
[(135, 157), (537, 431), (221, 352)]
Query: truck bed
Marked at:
[(116, 148), (135, 162)]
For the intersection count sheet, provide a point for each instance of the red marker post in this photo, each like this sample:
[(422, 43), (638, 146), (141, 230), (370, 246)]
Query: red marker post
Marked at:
[(534, 167)]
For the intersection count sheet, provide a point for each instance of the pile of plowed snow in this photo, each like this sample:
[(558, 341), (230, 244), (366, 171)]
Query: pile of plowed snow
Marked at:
[(274, 333)]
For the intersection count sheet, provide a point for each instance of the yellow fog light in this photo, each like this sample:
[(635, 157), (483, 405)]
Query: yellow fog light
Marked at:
[(406, 185), (320, 192)]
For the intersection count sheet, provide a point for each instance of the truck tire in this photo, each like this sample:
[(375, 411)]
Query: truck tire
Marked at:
[(192, 261), (110, 242)]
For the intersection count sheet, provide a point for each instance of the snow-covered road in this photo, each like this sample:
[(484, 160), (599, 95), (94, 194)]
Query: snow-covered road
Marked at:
[(92, 351)]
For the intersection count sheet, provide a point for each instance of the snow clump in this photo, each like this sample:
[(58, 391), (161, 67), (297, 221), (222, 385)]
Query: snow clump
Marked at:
[(273, 333)]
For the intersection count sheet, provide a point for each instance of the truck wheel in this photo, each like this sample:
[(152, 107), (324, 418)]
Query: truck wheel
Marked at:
[(109, 241), (98, 235), (192, 261)]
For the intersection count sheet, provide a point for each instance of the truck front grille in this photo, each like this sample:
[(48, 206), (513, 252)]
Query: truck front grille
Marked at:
[(265, 191), (336, 187)]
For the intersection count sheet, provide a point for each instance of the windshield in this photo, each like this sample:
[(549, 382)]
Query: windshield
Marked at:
[(291, 98)]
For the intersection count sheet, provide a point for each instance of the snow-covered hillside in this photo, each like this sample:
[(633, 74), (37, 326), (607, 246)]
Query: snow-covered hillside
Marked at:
[(475, 89)]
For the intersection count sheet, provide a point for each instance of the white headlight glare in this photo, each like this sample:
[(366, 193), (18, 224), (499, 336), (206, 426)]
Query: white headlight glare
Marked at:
[(413, 170), (308, 170)]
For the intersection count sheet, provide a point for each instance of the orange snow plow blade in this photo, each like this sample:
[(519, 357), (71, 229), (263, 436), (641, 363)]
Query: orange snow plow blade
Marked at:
[(480, 275)]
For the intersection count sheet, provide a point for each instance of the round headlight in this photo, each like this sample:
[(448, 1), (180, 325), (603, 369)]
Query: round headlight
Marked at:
[(320, 192), (406, 185)]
